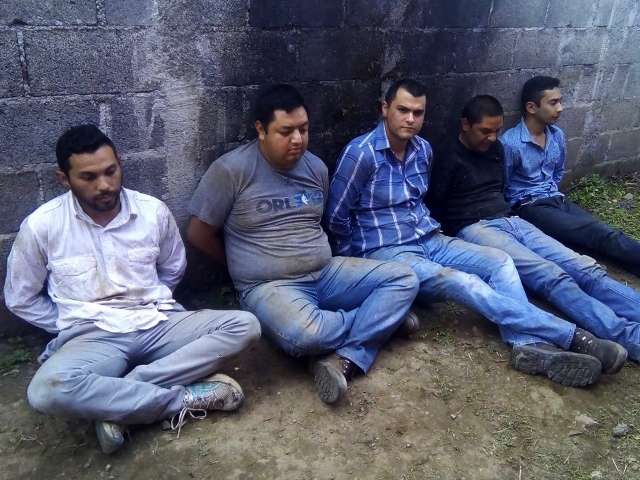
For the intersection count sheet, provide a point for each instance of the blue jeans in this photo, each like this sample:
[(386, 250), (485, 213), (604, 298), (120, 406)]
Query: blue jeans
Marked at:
[(573, 283), (565, 221), (483, 279), (351, 306)]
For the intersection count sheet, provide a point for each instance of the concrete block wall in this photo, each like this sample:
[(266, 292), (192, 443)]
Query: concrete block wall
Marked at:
[(172, 81)]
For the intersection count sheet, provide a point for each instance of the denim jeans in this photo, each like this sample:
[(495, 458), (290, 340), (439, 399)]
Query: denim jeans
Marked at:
[(573, 283), (565, 221), (483, 279), (351, 306)]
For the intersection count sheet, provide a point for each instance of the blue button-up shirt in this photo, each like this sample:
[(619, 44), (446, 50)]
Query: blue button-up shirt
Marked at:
[(375, 200), (532, 172)]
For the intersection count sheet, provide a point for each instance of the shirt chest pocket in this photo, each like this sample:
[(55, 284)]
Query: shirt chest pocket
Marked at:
[(142, 264), (74, 278)]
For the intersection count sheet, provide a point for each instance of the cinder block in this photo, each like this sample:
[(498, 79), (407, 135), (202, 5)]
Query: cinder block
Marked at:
[(427, 53), (506, 87), (367, 13), (458, 14), (572, 121), (572, 149), (86, 61), (32, 127), (131, 12), (6, 242), (624, 14), (325, 55), (513, 13), (570, 13), (485, 50), (11, 78), (619, 115), (537, 48), (136, 123), (51, 187), (339, 112), (624, 145), (327, 13), (241, 58), (37, 12), (632, 85), (146, 173), (446, 96), (603, 13), (590, 46), (593, 150), (611, 82), (222, 117), (623, 45), (584, 87), (19, 196), (181, 17)]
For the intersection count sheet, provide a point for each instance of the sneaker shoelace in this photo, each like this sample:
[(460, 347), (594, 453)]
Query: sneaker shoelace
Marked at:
[(180, 418)]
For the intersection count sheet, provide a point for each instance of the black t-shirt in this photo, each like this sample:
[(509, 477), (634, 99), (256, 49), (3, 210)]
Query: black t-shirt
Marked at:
[(466, 186)]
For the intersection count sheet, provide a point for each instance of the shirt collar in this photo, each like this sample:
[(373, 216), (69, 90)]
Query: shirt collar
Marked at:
[(526, 137), (381, 142), (123, 216)]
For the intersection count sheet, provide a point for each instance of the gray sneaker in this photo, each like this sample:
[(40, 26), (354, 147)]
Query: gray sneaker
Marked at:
[(330, 374), (109, 436), (567, 368), (409, 326), (218, 392)]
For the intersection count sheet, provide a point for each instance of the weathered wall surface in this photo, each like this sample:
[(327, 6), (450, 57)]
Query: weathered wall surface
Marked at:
[(172, 81)]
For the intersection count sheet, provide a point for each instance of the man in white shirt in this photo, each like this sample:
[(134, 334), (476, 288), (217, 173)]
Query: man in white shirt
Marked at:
[(125, 351)]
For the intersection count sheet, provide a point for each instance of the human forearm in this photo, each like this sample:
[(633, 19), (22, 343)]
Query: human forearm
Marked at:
[(206, 238)]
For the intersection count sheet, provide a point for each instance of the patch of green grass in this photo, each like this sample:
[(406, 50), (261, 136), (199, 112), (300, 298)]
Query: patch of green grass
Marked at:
[(444, 338), (613, 200), (19, 353)]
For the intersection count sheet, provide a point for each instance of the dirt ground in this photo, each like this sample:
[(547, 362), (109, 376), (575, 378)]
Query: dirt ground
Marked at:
[(444, 404)]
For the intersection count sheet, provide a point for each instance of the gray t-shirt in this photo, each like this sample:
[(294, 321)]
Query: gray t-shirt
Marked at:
[(271, 218)]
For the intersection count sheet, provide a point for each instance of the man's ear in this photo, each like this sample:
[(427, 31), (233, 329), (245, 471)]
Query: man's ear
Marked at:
[(62, 178), (260, 129), (464, 123), (530, 107), (385, 109)]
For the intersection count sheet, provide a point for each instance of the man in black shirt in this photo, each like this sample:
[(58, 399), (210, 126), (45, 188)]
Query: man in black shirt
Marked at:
[(466, 196)]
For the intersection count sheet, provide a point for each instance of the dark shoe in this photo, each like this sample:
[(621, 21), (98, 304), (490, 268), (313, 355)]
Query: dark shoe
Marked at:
[(409, 326), (567, 368), (109, 436), (331, 374), (611, 355)]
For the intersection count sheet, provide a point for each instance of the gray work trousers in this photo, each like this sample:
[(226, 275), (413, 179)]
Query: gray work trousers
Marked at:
[(137, 377)]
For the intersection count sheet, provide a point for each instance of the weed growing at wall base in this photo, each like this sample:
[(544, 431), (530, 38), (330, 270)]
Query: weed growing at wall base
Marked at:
[(614, 200)]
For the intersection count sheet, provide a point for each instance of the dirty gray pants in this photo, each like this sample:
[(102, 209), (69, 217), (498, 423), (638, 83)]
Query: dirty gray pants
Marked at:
[(137, 377)]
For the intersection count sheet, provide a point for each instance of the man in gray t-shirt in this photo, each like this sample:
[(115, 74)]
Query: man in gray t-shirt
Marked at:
[(268, 198)]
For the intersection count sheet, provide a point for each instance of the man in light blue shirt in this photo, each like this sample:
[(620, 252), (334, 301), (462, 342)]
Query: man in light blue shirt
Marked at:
[(535, 159), (375, 210)]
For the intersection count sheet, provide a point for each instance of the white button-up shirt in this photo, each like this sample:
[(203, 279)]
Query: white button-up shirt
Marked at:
[(119, 277)]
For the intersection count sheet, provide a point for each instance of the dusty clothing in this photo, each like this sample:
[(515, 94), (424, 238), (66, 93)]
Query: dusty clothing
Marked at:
[(271, 218), (119, 277)]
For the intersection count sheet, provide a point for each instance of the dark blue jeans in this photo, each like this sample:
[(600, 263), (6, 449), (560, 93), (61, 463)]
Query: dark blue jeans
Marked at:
[(565, 221)]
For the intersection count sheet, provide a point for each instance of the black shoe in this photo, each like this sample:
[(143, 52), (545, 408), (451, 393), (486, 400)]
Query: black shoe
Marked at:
[(409, 326), (611, 355), (567, 368)]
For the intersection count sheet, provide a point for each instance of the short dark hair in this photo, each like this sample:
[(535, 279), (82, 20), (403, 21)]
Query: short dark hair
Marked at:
[(85, 138), (276, 97), (412, 86), (481, 106), (533, 88)]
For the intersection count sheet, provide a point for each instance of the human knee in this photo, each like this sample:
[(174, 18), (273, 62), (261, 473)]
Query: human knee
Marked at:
[(251, 326), (49, 394)]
